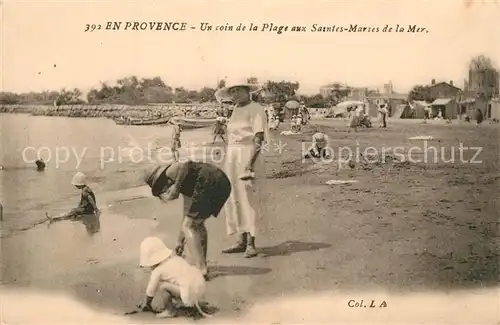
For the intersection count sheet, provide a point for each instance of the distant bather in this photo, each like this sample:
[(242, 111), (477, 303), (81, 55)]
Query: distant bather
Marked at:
[(40, 165)]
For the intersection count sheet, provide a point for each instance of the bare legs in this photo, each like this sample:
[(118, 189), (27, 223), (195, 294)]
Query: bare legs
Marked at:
[(220, 136), (197, 241), (168, 291), (204, 240), (175, 154)]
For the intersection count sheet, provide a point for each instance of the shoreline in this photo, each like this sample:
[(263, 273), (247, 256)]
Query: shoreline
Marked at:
[(377, 235), (120, 171), (103, 110)]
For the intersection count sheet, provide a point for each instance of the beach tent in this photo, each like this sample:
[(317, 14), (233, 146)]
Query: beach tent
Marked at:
[(407, 111), (481, 104), (448, 107), (397, 111), (292, 108), (419, 108), (344, 107), (292, 104), (372, 110), (350, 103), (338, 110)]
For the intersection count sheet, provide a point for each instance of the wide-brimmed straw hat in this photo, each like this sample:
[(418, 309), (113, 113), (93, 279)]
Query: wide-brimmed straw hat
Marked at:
[(151, 177), (224, 92), (153, 251)]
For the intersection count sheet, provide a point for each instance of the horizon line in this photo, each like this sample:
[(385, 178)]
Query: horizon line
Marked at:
[(111, 83)]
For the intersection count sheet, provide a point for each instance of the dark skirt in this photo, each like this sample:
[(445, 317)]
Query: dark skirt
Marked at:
[(219, 129), (479, 117), (209, 188)]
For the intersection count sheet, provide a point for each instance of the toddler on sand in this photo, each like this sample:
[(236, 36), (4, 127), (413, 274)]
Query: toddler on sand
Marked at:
[(171, 276)]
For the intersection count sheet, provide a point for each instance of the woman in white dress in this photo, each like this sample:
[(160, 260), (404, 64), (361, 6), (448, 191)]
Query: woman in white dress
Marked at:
[(246, 132)]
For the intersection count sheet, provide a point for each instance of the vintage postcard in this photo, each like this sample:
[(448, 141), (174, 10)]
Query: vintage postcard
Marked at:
[(261, 162)]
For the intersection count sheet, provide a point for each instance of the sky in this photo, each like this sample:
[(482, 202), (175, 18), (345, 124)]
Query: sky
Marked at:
[(38, 35)]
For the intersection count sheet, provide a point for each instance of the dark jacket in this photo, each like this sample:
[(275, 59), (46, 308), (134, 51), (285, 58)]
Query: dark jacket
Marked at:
[(206, 184)]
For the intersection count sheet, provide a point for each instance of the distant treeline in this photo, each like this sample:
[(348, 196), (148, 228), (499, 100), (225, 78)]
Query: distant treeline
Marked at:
[(135, 91)]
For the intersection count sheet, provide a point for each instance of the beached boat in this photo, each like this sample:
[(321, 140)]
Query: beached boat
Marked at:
[(139, 121), (119, 121), (192, 123)]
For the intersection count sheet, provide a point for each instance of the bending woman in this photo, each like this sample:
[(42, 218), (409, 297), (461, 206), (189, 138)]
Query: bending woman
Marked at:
[(205, 188), (246, 132)]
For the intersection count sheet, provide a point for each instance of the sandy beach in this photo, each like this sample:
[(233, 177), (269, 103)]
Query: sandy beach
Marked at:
[(407, 234)]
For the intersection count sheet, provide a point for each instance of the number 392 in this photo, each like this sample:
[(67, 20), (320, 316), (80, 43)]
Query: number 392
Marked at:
[(92, 27)]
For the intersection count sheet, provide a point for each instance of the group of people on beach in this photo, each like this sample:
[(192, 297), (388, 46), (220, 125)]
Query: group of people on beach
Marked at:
[(206, 190), (478, 116), (274, 121), (359, 117), (179, 274), (296, 123), (299, 117)]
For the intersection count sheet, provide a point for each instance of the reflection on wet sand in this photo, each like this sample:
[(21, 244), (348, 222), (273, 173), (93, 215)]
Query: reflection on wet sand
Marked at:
[(90, 221)]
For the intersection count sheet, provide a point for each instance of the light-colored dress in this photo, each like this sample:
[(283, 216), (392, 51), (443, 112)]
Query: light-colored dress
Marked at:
[(272, 122), (298, 121), (242, 207), (353, 119), (356, 117), (176, 270)]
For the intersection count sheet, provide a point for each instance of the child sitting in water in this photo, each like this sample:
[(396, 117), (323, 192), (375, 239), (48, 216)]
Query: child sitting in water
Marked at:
[(86, 210), (171, 276), (319, 148)]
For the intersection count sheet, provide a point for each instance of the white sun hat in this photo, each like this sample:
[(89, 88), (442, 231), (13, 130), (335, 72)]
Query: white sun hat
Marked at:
[(153, 251), (223, 93), (319, 137), (79, 179)]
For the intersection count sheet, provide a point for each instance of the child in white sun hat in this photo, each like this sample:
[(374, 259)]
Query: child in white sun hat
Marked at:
[(171, 276), (87, 210)]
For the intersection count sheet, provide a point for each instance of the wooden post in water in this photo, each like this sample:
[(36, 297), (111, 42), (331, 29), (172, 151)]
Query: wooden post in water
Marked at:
[(1, 212)]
